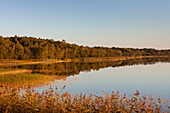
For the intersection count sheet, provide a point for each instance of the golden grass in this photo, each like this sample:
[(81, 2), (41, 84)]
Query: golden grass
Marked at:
[(51, 102), (15, 71), (23, 80), (12, 62)]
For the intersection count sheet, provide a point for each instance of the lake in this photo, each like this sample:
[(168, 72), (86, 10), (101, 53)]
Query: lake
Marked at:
[(148, 75)]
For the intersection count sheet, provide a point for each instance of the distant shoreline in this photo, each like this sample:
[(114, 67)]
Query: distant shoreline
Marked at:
[(12, 62)]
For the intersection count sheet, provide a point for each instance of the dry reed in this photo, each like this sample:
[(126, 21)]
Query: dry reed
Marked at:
[(13, 101)]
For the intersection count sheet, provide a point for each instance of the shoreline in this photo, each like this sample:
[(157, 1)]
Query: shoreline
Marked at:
[(12, 62)]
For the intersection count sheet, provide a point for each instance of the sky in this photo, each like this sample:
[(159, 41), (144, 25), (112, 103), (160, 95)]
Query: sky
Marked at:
[(118, 23)]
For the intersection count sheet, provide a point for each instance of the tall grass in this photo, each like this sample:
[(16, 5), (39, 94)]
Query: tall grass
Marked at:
[(23, 80), (50, 101)]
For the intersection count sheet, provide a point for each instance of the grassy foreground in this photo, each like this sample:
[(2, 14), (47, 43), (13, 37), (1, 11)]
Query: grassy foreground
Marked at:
[(51, 102)]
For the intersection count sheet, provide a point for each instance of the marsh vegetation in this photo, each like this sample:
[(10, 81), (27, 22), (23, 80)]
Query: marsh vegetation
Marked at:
[(17, 91), (50, 101)]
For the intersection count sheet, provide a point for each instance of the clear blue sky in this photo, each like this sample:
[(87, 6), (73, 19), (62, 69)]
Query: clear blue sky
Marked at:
[(123, 23)]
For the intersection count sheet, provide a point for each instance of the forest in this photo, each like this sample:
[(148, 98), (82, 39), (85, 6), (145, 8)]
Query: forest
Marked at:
[(35, 48)]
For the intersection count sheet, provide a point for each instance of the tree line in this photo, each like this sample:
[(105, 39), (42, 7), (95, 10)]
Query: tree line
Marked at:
[(35, 48)]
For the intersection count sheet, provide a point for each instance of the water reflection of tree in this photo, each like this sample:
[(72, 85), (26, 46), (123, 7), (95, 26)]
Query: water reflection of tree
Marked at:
[(66, 69)]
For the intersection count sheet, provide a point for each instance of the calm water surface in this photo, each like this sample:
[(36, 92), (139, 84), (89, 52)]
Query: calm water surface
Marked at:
[(149, 75), (150, 79)]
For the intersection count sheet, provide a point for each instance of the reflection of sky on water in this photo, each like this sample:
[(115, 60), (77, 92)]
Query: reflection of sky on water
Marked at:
[(149, 79)]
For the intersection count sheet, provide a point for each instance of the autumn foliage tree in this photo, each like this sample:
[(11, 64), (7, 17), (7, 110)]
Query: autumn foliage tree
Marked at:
[(32, 48)]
